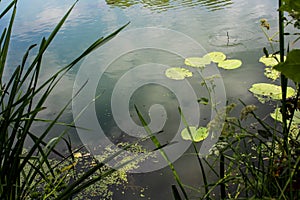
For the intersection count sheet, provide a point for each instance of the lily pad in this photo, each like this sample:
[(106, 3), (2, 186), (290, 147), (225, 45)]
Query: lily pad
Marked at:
[(197, 134), (230, 64), (278, 116), (197, 61), (77, 155), (216, 56), (270, 90), (272, 73), (270, 61), (178, 73)]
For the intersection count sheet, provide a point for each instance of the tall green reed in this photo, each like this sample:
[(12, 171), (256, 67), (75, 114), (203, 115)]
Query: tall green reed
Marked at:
[(22, 98), (165, 156)]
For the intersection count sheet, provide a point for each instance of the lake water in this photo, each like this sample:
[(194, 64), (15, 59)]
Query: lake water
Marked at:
[(230, 26)]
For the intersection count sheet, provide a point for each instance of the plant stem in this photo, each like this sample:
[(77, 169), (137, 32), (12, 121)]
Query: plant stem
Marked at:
[(222, 175), (284, 80)]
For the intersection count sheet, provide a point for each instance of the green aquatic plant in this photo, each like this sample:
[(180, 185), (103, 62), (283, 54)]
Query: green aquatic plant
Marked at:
[(267, 90), (230, 64), (277, 115), (78, 164), (118, 178), (178, 73), (216, 56), (197, 61), (271, 60), (271, 73), (196, 134)]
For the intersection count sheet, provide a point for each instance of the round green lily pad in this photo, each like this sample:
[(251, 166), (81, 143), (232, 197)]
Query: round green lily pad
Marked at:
[(270, 61), (230, 64), (278, 116), (270, 90), (178, 73), (197, 61), (197, 134), (216, 56)]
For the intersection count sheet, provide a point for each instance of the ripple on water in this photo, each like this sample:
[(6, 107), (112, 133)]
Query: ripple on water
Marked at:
[(230, 37), (165, 5)]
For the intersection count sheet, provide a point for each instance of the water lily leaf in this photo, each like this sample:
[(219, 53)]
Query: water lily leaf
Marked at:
[(216, 56), (270, 61), (272, 73), (278, 116), (270, 90), (178, 73), (230, 64), (77, 155), (197, 61), (197, 134), (290, 68)]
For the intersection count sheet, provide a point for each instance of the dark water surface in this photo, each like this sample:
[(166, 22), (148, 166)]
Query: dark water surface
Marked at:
[(230, 26)]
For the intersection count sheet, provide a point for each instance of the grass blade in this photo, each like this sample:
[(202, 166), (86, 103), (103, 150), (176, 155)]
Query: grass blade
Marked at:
[(4, 49), (3, 13), (196, 151), (175, 193), (164, 155)]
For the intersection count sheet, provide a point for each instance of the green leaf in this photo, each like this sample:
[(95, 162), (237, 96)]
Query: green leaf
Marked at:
[(291, 67), (291, 6), (230, 64), (270, 90), (176, 193), (278, 116), (216, 56), (271, 73), (197, 134), (270, 61), (197, 61), (178, 73)]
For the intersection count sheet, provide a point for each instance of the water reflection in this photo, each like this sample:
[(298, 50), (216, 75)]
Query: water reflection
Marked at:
[(163, 5)]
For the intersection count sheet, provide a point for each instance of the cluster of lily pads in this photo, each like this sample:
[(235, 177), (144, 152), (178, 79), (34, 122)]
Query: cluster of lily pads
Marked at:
[(270, 62), (268, 91), (263, 91), (180, 73)]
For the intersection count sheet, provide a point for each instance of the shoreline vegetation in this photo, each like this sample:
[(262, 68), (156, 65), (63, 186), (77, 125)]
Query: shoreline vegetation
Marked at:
[(31, 173)]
